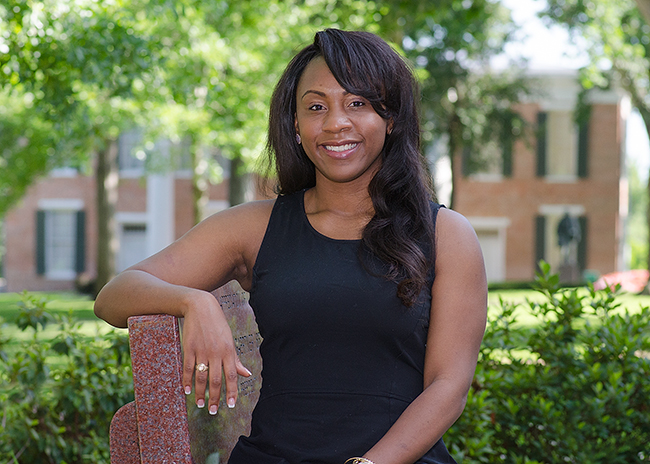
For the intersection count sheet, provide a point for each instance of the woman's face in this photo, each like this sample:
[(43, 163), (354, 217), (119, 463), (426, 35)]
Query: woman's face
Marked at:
[(341, 133)]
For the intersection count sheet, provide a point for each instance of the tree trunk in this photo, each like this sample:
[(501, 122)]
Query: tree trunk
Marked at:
[(452, 165), (107, 177), (453, 130), (199, 182), (238, 180)]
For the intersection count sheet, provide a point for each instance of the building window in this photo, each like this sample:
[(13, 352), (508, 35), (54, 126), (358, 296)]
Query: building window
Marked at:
[(491, 160), (60, 247), (133, 245), (492, 163), (561, 146), (131, 158)]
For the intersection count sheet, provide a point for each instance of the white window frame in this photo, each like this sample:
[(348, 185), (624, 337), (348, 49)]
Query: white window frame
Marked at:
[(52, 206)]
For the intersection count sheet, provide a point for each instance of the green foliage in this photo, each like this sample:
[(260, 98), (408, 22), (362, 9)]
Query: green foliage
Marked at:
[(204, 71), (32, 312), (619, 39), (66, 75), (574, 388), (26, 148), (2, 250), (58, 396)]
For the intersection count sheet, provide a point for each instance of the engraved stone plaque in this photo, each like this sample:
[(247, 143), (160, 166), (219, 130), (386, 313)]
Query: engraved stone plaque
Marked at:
[(213, 437)]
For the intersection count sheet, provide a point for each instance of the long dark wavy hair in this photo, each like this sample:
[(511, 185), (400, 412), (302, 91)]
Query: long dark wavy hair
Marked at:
[(401, 231)]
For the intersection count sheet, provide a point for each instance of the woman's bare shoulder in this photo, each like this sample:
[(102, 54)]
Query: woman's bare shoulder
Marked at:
[(450, 221), (456, 242)]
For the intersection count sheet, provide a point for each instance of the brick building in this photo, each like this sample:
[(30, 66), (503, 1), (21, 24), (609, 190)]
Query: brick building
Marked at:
[(517, 202)]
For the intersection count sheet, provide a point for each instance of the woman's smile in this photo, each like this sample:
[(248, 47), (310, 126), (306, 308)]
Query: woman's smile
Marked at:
[(340, 150)]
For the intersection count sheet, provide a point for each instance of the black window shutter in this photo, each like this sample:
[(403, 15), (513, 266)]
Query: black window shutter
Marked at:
[(507, 159), (540, 240), (541, 143), (583, 149), (40, 242), (582, 244), (506, 147), (80, 243)]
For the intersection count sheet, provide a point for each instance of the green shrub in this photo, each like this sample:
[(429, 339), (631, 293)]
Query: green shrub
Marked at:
[(59, 395), (573, 389)]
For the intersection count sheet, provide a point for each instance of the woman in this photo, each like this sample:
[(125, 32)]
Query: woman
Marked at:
[(367, 357)]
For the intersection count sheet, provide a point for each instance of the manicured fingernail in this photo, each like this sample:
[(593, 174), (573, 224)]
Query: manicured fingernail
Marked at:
[(200, 403), (249, 372), (188, 390), (213, 409), (231, 403)]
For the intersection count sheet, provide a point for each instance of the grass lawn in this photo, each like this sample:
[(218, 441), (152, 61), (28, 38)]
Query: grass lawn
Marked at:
[(629, 301), (81, 306), (78, 307)]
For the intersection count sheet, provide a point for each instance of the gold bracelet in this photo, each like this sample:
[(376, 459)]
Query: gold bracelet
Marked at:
[(359, 461)]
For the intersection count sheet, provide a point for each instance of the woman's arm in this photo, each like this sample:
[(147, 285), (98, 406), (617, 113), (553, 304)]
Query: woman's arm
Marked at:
[(178, 281), (457, 325)]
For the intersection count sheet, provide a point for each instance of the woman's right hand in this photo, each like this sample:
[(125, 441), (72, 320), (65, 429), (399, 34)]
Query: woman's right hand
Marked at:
[(207, 339)]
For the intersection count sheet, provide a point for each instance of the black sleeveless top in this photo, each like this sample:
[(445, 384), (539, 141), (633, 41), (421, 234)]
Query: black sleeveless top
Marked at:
[(342, 356)]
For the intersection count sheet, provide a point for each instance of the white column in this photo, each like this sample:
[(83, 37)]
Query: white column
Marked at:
[(160, 211)]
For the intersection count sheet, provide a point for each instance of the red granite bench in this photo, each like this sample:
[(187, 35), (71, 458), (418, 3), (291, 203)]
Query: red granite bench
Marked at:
[(163, 425)]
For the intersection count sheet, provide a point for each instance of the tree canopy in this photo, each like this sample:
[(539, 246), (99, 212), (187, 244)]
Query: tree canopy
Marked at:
[(618, 35), (70, 68), (81, 71)]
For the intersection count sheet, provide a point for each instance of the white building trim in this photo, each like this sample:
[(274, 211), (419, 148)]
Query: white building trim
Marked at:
[(71, 204)]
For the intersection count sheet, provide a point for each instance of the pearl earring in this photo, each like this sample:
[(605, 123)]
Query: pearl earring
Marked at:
[(298, 139)]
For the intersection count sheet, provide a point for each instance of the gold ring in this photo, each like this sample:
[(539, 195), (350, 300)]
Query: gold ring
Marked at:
[(201, 367)]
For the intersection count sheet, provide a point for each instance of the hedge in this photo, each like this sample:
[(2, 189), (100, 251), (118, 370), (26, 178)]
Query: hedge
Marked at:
[(573, 389)]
